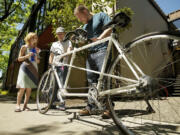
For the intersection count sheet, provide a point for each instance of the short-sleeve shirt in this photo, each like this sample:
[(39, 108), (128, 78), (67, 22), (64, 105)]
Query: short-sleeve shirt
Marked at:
[(94, 28), (60, 48)]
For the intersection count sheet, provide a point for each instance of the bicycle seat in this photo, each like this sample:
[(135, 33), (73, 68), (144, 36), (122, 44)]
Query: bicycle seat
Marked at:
[(120, 19)]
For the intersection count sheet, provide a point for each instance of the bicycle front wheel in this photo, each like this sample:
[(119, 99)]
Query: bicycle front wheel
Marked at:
[(154, 109), (45, 92)]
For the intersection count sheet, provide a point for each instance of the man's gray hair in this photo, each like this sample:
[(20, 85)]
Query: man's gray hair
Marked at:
[(80, 9)]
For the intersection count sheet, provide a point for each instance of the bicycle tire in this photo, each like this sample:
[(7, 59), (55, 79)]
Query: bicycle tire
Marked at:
[(45, 92), (153, 119), (169, 33)]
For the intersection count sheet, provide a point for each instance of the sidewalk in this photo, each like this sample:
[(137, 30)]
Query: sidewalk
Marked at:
[(53, 123), (61, 123)]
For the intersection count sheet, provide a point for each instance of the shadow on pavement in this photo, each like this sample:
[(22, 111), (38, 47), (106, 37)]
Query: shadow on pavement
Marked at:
[(33, 130), (53, 129), (149, 128), (106, 130), (131, 112)]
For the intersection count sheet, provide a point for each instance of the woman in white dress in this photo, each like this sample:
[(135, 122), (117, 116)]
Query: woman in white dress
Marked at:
[(28, 71)]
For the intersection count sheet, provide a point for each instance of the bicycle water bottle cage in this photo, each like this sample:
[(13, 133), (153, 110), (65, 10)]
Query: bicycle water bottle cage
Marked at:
[(120, 19)]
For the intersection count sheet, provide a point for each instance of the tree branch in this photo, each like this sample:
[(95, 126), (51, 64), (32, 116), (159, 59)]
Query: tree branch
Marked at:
[(5, 6), (8, 10), (9, 5)]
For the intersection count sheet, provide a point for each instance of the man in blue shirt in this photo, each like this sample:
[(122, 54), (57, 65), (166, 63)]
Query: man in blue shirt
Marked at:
[(93, 25)]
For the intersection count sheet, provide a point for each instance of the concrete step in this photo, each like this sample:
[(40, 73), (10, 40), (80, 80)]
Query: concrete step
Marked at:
[(176, 86), (175, 94), (177, 91)]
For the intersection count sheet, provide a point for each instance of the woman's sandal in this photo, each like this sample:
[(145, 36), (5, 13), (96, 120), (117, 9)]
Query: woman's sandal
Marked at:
[(26, 109), (17, 110)]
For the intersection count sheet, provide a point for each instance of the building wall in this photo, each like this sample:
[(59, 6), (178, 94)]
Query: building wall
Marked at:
[(146, 19)]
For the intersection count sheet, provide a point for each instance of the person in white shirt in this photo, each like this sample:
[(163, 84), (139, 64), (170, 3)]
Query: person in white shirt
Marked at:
[(60, 47)]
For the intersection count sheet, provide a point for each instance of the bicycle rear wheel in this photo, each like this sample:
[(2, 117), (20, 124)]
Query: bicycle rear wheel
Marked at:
[(45, 92), (153, 110)]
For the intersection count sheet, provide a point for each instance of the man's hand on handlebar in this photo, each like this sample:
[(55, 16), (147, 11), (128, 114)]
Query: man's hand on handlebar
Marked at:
[(94, 39)]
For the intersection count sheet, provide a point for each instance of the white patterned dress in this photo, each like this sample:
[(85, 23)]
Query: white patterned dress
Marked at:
[(28, 73)]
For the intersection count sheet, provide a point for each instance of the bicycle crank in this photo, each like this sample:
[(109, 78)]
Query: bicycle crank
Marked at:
[(93, 97)]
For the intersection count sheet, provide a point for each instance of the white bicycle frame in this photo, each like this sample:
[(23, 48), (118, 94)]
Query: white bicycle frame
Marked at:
[(130, 63), (112, 41)]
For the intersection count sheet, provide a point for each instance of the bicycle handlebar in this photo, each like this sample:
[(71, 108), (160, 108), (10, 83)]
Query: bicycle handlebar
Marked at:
[(78, 34)]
